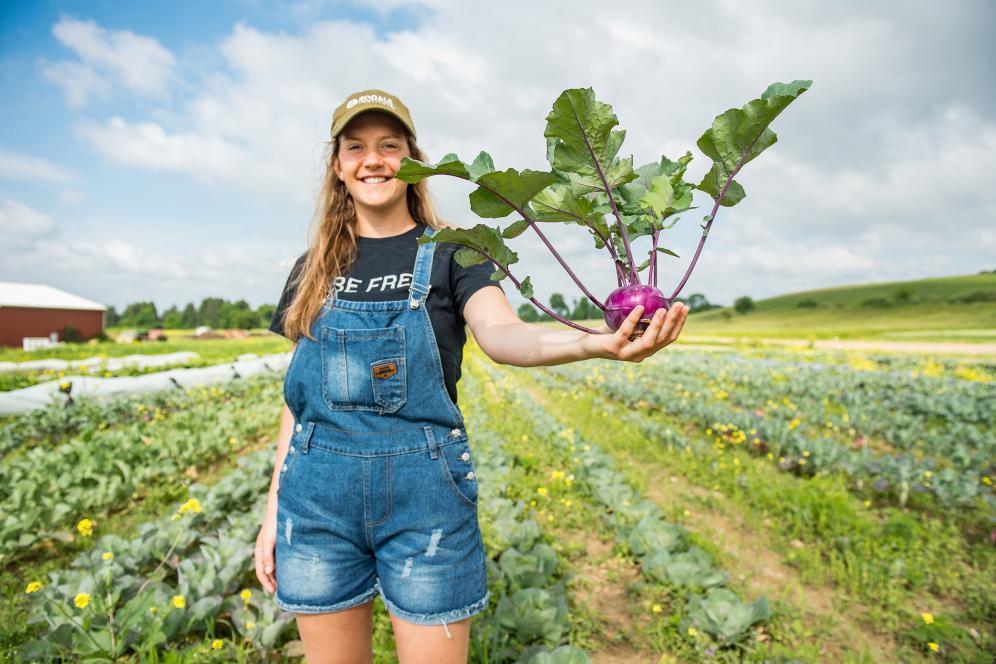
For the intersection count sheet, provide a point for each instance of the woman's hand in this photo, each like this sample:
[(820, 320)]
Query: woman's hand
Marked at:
[(662, 330), (266, 543)]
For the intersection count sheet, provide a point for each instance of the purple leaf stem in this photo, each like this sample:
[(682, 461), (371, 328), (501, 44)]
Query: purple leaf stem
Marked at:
[(634, 277), (539, 304), (712, 218), (532, 224), (652, 277)]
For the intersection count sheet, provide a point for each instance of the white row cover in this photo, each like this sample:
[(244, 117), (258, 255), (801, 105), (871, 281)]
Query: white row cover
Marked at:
[(111, 363), (44, 394)]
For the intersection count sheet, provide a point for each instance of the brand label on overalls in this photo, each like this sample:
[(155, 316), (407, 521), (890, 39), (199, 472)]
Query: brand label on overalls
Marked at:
[(385, 370)]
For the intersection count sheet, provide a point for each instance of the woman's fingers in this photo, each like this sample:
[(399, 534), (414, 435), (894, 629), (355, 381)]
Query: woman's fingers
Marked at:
[(629, 324), (264, 564), (681, 323), (675, 319)]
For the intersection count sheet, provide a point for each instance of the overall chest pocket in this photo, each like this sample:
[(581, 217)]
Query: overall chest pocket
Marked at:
[(364, 369)]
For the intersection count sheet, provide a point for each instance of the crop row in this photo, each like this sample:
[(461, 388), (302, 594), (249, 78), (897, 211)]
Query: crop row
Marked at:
[(955, 467), (88, 416), (531, 613), (178, 577), (711, 615), (42, 489)]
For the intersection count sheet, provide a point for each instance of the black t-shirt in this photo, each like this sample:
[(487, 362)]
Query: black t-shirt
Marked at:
[(383, 271)]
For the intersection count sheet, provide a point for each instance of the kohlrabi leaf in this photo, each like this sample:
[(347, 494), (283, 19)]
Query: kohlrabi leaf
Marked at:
[(413, 171), (502, 192), (740, 134), (715, 180), (526, 288), (480, 243), (632, 192), (515, 229), (556, 203), (586, 145)]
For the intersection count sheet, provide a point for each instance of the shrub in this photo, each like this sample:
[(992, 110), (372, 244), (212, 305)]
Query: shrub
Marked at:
[(743, 304), (808, 303)]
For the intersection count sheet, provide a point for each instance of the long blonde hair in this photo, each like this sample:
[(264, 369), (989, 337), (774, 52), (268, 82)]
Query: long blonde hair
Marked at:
[(332, 240)]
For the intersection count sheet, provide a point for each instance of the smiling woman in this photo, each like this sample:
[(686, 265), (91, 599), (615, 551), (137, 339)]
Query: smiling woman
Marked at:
[(374, 489)]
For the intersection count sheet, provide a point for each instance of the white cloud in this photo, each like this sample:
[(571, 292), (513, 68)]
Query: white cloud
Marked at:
[(24, 167), (137, 63), (873, 167), (20, 221)]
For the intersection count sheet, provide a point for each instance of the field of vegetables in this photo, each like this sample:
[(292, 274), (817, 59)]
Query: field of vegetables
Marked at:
[(700, 506)]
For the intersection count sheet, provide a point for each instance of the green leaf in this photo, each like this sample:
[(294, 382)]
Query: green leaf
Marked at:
[(739, 135), (466, 257), (526, 288), (502, 192), (632, 192), (413, 171), (481, 242), (585, 146), (668, 251), (558, 203), (515, 229), (713, 183)]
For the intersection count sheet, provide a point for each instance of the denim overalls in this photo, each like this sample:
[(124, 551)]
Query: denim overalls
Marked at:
[(377, 492)]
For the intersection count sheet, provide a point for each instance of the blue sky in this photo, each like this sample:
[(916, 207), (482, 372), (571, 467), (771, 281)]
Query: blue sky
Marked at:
[(170, 151)]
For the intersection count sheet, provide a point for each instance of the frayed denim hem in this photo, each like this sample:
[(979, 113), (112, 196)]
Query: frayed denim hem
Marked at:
[(438, 618), (332, 608)]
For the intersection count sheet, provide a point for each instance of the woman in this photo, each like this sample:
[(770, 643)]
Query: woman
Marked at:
[(374, 489)]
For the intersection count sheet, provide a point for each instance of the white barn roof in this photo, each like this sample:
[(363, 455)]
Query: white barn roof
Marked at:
[(40, 296)]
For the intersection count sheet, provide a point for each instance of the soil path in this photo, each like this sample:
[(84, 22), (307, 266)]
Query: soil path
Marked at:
[(934, 347)]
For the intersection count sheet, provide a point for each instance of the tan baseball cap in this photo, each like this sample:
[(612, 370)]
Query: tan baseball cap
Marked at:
[(370, 100)]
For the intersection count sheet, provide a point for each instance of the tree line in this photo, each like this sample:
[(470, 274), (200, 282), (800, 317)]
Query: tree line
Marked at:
[(214, 312)]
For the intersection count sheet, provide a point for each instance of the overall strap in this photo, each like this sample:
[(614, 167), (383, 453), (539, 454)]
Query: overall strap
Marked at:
[(431, 440), (420, 288)]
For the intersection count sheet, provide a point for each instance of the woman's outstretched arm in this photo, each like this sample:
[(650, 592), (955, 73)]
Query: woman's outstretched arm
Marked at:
[(506, 339)]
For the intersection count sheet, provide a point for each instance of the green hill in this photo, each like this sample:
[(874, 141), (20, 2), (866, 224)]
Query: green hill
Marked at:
[(959, 308)]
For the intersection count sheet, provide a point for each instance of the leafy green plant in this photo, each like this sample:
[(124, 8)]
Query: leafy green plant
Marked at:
[(591, 186)]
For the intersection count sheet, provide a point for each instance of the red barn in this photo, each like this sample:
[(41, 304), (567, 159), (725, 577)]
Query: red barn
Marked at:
[(36, 310)]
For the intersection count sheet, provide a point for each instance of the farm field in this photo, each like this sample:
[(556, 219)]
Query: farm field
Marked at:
[(760, 504), (952, 309)]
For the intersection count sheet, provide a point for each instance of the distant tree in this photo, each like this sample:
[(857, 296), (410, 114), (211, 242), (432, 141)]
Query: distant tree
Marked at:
[(140, 314), (584, 309), (903, 295), (209, 313), (527, 313), (111, 317), (188, 319), (264, 314), (172, 319), (698, 302), (559, 305), (743, 304)]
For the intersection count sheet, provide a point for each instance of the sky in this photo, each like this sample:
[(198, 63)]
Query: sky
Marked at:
[(172, 151)]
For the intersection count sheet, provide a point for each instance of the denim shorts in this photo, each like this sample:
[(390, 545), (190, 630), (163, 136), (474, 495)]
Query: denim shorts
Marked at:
[(393, 513)]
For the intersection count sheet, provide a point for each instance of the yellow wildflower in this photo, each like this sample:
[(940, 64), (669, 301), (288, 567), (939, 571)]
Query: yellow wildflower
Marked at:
[(33, 587), (85, 527), (179, 601), (107, 555), (927, 474), (82, 600), (802, 462), (246, 595), (217, 644), (933, 646), (192, 505), (927, 617), (656, 608), (542, 491), (868, 503), (250, 625), (693, 632)]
